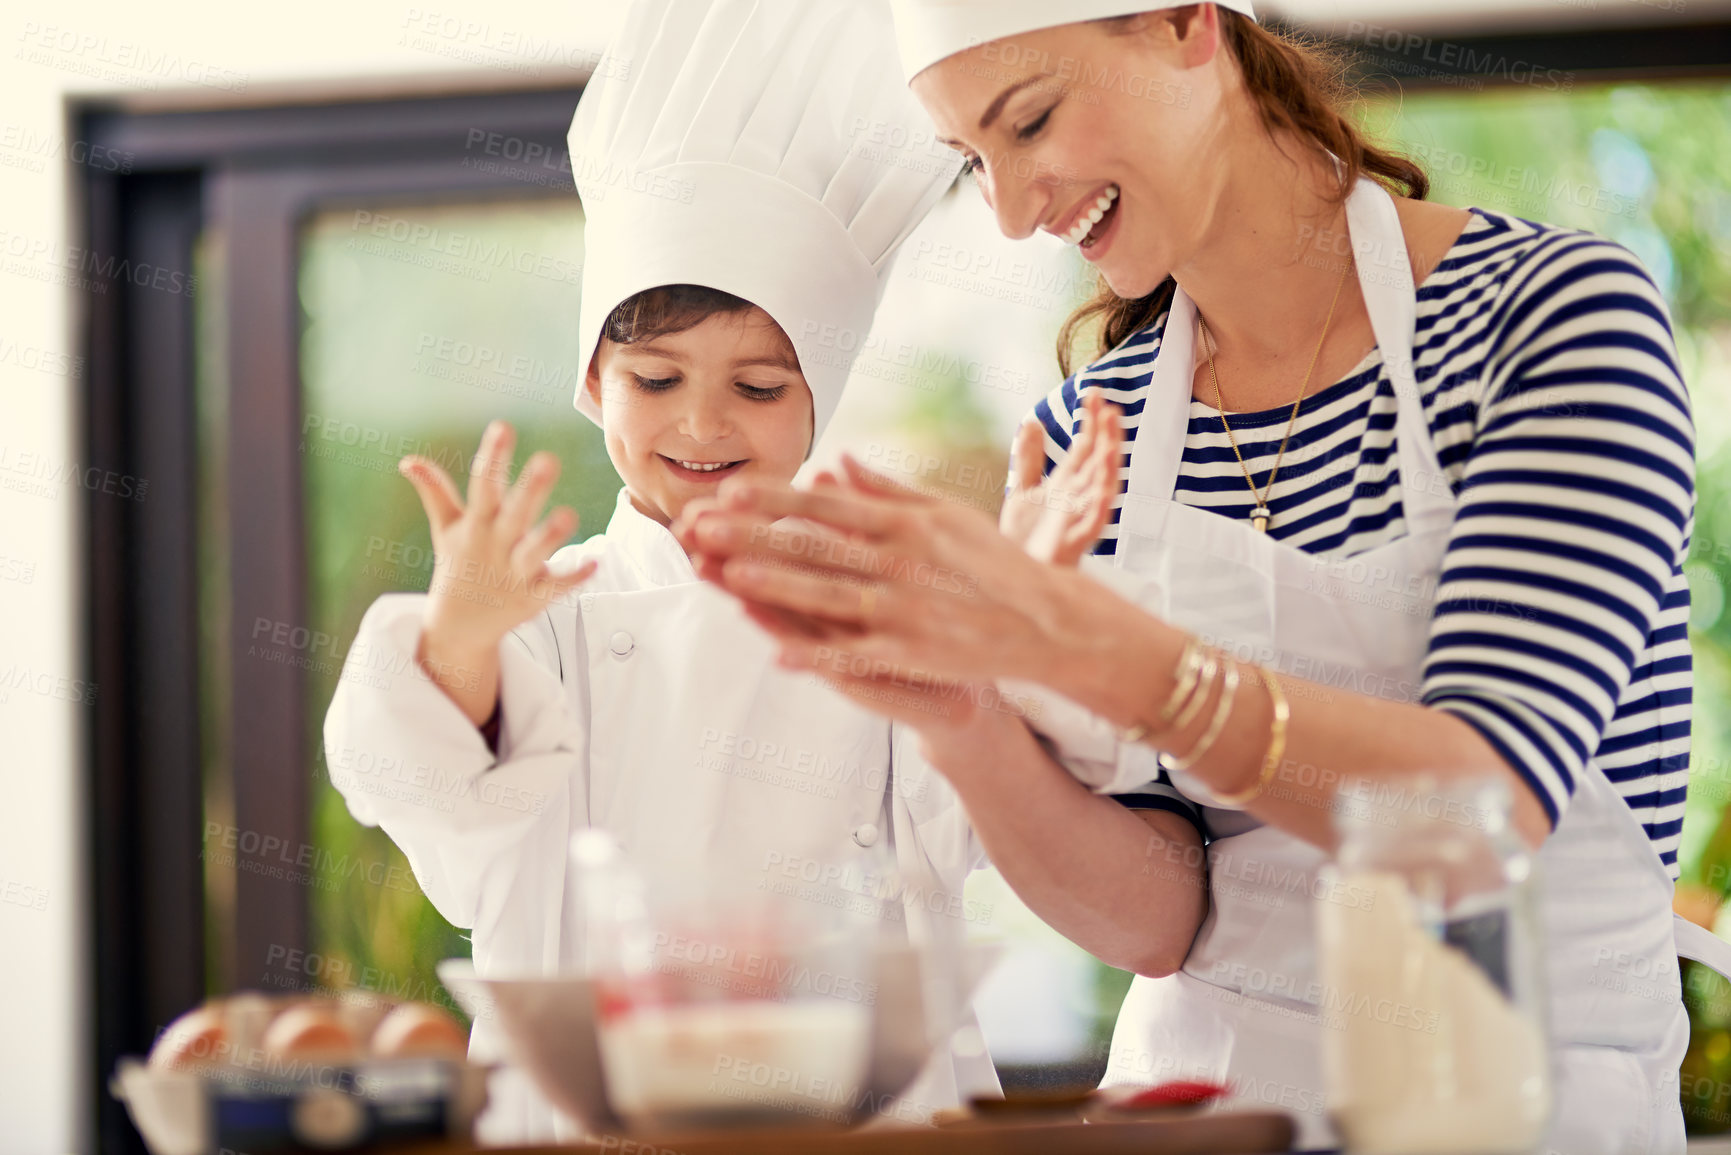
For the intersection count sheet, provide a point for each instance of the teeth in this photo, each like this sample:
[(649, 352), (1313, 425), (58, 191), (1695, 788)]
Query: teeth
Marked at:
[(1092, 217), (705, 467)]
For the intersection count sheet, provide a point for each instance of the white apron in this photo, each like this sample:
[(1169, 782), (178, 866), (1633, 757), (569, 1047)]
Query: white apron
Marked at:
[(1245, 1003)]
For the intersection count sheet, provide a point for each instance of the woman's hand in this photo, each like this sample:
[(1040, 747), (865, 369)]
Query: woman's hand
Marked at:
[(890, 593), (490, 570), (1059, 518)]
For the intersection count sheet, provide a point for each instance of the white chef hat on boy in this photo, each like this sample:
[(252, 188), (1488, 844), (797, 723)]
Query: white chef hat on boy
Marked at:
[(766, 148), (929, 30)]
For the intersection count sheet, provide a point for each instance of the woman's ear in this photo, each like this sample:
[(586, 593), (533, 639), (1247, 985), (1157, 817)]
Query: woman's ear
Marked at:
[(1196, 31), (1192, 31)]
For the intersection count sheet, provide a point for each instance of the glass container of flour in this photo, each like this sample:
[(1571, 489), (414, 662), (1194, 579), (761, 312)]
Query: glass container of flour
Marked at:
[(726, 1014), (1436, 985)]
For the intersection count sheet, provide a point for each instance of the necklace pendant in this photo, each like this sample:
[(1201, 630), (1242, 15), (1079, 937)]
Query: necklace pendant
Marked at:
[(1259, 518)]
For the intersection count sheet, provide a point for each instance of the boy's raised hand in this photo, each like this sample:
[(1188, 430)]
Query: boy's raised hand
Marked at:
[(490, 570)]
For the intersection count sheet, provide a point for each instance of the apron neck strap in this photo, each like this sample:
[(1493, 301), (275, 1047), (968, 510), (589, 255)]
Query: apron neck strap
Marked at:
[(1158, 449), (1385, 279)]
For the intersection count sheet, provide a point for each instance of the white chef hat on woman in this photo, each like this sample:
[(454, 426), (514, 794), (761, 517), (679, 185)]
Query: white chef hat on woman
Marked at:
[(766, 148), (929, 30)]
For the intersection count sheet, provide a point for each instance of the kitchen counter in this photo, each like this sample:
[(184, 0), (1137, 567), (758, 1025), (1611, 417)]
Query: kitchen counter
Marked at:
[(1160, 1138), (1245, 1133)]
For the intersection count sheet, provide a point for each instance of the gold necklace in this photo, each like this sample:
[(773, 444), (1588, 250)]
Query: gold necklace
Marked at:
[(1261, 515)]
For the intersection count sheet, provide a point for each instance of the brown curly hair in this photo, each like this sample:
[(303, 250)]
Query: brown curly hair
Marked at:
[(1299, 87)]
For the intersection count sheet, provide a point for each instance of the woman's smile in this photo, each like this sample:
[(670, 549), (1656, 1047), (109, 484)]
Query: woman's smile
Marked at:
[(1086, 219), (1098, 241)]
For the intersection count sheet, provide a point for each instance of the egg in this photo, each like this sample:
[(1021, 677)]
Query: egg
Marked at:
[(310, 1031), (420, 1030), (246, 1016), (361, 1012), (193, 1040)]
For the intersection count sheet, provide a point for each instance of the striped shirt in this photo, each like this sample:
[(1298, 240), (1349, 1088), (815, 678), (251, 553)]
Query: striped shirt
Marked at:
[(1548, 372)]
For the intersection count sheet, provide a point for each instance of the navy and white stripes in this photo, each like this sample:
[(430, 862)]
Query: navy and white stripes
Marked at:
[(1549, 376)]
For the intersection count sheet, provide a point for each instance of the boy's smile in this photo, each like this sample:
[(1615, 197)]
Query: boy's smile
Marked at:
[(702, 472), (685, 411)]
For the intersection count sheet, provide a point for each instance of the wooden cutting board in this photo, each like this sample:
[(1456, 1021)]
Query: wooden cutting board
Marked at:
[(1224, 1133)]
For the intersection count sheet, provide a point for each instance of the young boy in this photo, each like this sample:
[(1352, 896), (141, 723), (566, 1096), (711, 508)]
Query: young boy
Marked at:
[(736, 246)]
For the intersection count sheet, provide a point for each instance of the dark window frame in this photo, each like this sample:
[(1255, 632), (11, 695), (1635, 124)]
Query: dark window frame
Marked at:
[(262, 170), (259, 173)]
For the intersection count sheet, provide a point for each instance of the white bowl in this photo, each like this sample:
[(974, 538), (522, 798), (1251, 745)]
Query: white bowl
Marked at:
[(549, 1029), (696, 1065), (167, 1107)]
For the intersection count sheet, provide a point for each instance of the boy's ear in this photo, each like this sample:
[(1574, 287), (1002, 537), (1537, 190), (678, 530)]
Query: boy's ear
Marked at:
[(592, 379)]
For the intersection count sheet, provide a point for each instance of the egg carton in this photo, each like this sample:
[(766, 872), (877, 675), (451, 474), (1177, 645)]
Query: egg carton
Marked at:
[(237, 1091), (291, 1106)]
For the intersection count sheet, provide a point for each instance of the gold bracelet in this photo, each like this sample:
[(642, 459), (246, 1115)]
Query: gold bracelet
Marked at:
[(1204, 687), (1276, 752), (1215, 724), (1184, 675), (1190, 661)]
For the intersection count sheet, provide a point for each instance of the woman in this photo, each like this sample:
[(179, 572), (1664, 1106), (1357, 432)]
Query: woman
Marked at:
[(1420, 478)]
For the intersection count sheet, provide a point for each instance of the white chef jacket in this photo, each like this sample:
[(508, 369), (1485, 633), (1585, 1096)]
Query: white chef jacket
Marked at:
[(647, 704)]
